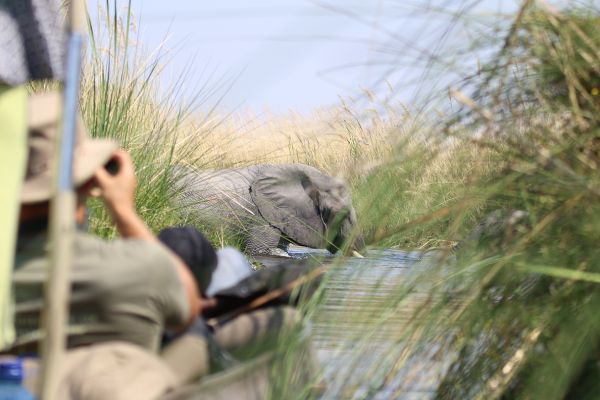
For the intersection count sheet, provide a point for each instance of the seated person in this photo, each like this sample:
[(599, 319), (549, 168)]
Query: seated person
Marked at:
[(126, 289), (214, 270), (192, 353)]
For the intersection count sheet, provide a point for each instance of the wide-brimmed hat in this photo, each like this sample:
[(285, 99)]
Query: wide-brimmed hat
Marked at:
[(44, 112)]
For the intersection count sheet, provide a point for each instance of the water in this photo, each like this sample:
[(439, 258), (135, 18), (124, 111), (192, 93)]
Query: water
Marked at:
[(359, 330)]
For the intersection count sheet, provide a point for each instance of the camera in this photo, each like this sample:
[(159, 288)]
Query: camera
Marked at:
[(112, 167)]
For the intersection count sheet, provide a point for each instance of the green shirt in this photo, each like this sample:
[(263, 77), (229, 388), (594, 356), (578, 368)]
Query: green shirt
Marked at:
[(123, 289)]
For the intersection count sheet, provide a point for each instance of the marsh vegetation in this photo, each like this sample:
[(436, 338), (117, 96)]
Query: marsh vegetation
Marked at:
[(512, 316)]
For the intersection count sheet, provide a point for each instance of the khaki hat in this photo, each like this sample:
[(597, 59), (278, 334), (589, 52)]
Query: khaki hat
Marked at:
[(44, 112)]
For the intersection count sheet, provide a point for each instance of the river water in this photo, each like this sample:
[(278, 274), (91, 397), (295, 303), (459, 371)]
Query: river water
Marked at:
[(360, 327)]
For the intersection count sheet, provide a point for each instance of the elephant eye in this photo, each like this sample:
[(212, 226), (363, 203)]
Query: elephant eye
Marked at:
[(325, 214)]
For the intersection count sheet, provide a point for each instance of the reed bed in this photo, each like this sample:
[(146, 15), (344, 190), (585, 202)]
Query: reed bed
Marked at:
[(512, 314), (121, 99)]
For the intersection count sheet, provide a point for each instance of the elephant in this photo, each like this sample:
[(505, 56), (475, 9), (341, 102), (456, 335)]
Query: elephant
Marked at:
[(272, 205)]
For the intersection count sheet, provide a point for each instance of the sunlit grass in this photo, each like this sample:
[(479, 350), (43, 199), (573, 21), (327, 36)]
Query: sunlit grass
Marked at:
[(383, 151)]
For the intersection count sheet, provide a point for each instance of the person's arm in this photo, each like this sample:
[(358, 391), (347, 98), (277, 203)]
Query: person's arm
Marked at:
[(118, 193)]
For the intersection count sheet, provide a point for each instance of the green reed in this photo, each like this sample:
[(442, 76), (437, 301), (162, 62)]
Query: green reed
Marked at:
[(121, 100), (513, 315)]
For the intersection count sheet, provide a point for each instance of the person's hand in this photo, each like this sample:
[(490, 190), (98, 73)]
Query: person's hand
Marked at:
[(207, 305), (118, 191)]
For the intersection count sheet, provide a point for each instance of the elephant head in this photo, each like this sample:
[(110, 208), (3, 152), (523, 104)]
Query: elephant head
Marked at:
[(309, 207)]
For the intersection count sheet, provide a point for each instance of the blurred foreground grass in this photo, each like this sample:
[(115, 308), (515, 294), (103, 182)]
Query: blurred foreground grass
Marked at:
[(525, 324)]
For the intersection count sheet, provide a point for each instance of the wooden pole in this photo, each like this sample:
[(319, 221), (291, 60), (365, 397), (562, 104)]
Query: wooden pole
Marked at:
[(62, 213), (13, 158)]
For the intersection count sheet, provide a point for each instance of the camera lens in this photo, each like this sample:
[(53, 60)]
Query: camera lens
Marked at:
[(112, 167)]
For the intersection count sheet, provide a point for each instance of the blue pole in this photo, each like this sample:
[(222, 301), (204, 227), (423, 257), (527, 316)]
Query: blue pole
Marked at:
[(71, 105)]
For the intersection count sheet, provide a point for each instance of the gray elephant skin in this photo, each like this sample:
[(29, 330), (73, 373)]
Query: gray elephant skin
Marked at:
[(271, 205)]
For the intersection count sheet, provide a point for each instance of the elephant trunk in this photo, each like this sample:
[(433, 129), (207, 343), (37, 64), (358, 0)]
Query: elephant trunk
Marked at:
[(358, 243), (348, 231)]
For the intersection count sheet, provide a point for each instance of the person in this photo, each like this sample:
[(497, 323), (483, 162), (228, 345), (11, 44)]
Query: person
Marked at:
[(127, 289), (202, 348), (214, 270), (192, 247), (125, 292)]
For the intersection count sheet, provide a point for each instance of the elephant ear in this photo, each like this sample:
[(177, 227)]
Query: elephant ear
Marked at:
[(288, 200)]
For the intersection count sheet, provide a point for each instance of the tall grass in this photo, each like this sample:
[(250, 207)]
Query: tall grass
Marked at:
[(121, 100), (517, 328), (396, 171), (514, 316)]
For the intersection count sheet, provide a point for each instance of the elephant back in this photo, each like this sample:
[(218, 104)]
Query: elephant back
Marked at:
[(211, 195)]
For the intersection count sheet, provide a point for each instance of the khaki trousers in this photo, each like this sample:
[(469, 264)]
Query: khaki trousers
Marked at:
[(189, 355), (106, 371), (124, 371)]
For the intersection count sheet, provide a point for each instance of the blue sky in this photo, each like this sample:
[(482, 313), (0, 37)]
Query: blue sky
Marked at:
[(300, 54)]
